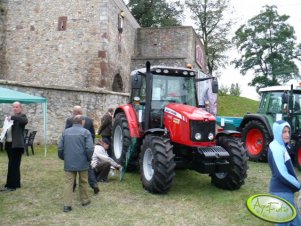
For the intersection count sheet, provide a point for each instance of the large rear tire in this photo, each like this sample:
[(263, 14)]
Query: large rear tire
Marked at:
[(298, 155), (121, 141), (157, 166), (235, 176), (256, 140)]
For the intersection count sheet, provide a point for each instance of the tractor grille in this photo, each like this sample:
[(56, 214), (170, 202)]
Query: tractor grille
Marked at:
[(202, 127)]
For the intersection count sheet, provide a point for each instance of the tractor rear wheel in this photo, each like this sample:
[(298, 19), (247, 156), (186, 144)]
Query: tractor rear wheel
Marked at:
[(256, 140), (121, 140), (298, 155), (235, 176), (157, 166)]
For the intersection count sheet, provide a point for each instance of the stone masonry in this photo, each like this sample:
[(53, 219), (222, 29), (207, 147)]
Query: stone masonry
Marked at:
[(80, 53)]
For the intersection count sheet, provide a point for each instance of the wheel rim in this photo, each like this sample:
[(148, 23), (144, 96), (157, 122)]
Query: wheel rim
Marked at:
[(254, 142), (148, 170), (221, 175), (118, 140)]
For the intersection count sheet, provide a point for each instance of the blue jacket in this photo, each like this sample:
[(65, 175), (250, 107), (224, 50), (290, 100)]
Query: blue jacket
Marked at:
[(76, 148), (284, 177)]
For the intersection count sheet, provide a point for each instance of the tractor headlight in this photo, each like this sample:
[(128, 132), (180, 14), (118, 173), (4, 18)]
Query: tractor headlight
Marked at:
[(198, 136), (210, 136)]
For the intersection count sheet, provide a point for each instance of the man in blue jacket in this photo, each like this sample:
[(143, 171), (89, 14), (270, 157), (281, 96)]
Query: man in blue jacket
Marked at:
[(76, 149), (284, 182)]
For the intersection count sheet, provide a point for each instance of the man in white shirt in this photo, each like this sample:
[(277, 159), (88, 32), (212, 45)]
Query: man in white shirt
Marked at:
[(101, 164)]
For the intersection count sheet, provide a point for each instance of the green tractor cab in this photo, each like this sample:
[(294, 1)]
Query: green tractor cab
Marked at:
[(277, 103)]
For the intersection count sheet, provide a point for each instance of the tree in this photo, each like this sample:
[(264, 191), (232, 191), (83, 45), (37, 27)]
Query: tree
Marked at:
[(156, 13), (268, 46), (213, 29), (235, 90)]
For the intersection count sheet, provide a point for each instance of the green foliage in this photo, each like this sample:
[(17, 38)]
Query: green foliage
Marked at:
[(268, 46), (223, 90), (156, 13), (235, 90), (236, 106), (213, 29)]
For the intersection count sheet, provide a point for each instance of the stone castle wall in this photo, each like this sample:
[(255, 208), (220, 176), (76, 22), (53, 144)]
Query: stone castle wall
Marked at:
[(59, 107), (74, 44), (75, 53), (172, 46)]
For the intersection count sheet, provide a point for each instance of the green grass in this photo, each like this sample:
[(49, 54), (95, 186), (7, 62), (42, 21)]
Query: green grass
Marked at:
[(191, 201), (236, 106)]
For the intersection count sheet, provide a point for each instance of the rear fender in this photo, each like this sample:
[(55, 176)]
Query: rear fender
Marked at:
[(261, 118), (131, 117)]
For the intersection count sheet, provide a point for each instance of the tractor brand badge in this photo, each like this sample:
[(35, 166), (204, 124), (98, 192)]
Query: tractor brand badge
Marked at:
[(271, 208), (174, 113), (176, 120)]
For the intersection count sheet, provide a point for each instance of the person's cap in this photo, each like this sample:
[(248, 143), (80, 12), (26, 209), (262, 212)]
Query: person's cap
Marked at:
[(106, 141)]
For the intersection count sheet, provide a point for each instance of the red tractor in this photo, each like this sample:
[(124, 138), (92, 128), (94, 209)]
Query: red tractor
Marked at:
[(162, 129)]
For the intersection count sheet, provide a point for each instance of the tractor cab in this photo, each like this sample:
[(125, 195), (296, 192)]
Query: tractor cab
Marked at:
[(168, 85), (282, 102)]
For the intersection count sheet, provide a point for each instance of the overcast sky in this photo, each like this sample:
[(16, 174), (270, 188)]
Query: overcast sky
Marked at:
[(245, 10)]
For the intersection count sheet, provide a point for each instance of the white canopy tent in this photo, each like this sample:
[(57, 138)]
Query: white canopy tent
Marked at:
[(10, 96)]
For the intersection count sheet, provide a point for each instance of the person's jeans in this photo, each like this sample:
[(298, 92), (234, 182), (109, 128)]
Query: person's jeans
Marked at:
[(289, 197)]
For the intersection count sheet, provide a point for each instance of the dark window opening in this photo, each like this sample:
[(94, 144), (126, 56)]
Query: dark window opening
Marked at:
[(117, 83), (62, 23)]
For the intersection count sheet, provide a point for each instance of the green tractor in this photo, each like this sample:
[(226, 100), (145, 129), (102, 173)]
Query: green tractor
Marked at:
[(277, 102)]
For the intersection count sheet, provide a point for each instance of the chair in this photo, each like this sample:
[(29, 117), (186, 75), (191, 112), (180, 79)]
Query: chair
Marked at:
[(26, 134), (29, 142)]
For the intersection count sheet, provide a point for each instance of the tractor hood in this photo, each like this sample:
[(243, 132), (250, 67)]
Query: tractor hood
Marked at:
[(186, 112)]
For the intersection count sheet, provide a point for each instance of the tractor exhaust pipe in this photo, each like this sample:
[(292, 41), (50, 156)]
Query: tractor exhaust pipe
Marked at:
[(148, 98)]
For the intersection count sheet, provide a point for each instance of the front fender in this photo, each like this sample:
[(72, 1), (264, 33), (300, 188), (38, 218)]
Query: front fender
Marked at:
[(131, 117), (232, 133), (261, 118)]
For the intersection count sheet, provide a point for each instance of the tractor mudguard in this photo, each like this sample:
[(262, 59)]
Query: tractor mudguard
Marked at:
[(232, 133), (131, 117), (259, 117), (159, 131)]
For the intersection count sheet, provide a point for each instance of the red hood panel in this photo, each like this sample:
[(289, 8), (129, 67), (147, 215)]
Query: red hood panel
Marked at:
[(186, 112)]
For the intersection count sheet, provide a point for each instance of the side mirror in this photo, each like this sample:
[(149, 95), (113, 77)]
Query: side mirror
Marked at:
[(136, 81), (214, 86)]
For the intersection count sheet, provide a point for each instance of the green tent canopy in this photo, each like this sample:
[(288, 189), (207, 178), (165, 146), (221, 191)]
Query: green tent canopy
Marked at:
[(10, 96)]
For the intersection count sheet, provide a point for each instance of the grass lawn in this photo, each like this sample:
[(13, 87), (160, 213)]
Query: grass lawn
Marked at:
[(191, 201)]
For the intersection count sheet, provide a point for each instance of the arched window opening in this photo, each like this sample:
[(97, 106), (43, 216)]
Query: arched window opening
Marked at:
[(117, 83)]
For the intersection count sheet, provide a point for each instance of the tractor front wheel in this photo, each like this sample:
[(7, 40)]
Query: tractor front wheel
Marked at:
[(157, 166), (235, 176), (256, 139), (121, 140)]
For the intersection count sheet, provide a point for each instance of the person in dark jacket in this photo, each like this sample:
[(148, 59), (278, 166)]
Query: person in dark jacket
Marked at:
[(76, 149), (284, 182), (89, 124), (14, 145), (105, 129)]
